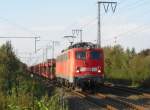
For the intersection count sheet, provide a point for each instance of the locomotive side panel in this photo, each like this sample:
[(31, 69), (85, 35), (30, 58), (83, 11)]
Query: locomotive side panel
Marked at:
[(71, 66), (62, 65), (65, 66)]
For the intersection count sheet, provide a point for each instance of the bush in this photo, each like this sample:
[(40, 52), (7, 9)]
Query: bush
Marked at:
[(126, 65), (18, 91)]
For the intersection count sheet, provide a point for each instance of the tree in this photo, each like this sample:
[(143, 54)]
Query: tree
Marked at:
[(9, 66)]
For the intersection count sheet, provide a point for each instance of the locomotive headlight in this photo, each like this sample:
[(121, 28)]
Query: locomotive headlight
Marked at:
[(78, 70), (99, 70)]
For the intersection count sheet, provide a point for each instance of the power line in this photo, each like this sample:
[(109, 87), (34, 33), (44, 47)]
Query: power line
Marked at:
[(19, 26), (36, 39), (131, 31), (23, 28), (18, 37), (132, 7), (88, 23), (134, 4), (137, 29)]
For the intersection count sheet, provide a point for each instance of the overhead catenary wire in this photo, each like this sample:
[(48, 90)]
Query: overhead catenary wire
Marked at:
[(19, 26), (130, 31), (88, 24)]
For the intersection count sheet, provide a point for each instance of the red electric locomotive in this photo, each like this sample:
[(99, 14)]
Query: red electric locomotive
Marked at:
[(81, 65)]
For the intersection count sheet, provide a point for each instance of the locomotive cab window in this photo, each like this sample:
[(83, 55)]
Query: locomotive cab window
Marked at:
[(95, 55), (81, 55)]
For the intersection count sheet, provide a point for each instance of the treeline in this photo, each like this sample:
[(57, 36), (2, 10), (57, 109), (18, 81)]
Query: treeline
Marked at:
[(127, 66), (19, 91)]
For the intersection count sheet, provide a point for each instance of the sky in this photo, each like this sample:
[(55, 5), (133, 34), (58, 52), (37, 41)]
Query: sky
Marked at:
[(50, 20)]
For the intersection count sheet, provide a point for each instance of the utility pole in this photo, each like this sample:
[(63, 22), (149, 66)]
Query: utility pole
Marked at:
[(46, 53), (77, 32), (43, 55), (53, 52), (53, 47), (36, 39), (53, 44), (47, 47), (106, 6), (50, 45)]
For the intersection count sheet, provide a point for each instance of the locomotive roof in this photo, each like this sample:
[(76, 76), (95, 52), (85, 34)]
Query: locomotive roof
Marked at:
[(81, 45)]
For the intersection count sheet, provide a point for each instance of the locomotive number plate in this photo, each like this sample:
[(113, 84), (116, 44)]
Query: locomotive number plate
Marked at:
[(88, 69)]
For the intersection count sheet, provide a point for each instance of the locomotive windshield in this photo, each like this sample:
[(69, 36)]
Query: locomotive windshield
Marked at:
[(81, 55), (95, 55)]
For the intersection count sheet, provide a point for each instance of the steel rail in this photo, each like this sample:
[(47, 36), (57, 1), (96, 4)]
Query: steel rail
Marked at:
[(132, 91), (128, 89), (119, 100), (84, 95)]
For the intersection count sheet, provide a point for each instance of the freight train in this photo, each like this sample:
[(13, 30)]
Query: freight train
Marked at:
[(80, 65)]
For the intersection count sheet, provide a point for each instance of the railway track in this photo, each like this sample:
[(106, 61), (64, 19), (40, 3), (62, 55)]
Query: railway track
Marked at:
[(113, 102), (109, 102), (134, 96), (130, 90), (121, 102), (86, 97)]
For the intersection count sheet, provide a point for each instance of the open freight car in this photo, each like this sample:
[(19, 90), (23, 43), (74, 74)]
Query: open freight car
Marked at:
[(45, 69)]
